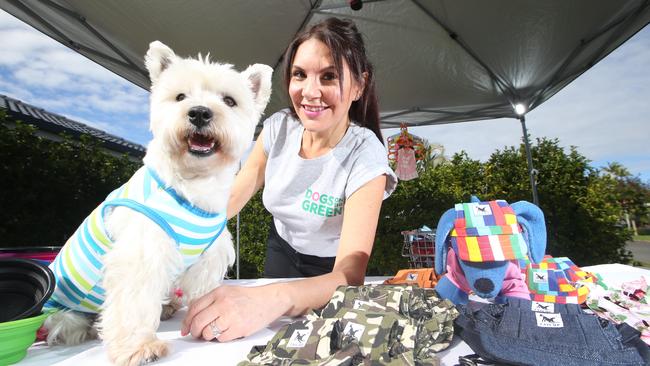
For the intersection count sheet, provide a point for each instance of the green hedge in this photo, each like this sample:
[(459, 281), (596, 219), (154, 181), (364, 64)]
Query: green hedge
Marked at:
[(254, 226), (49, 187)]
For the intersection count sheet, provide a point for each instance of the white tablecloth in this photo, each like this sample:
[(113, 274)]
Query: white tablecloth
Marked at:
[(189, 351)]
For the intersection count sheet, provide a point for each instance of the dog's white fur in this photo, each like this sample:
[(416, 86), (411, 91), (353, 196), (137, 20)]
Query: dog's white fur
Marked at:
[(139, 269)]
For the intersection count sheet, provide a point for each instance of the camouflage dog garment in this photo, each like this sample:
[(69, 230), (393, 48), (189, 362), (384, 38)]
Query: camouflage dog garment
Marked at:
[(377, 337), (422, 308), (387, 325), (370, 297)]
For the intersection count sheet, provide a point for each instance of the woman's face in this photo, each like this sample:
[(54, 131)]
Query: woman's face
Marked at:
[(315, 89)]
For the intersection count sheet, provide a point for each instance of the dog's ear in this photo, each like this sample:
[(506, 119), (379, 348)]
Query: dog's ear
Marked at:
[(445, 224), (158, 58), (259, 77), (531, 219)]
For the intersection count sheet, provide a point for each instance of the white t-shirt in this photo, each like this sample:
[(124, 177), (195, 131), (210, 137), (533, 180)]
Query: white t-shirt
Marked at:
[(306, 196)]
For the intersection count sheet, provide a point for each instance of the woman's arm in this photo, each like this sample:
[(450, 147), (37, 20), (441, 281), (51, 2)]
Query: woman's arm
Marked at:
[(241, 311), (249, 179)]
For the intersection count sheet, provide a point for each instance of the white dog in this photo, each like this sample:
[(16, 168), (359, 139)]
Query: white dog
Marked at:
[(165, 228)]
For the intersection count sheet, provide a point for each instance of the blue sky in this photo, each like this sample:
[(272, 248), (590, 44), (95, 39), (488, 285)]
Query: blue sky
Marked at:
[(605, 113)]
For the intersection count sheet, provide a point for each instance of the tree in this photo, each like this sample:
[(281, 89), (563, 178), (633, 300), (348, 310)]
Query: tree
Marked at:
[(633, 194), (580, 207)]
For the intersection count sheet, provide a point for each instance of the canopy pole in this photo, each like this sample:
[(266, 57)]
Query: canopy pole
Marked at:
[(237, 236), (238, 246), (531, 171)]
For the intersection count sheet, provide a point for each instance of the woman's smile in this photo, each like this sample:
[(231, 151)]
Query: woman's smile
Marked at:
[(313, 112)]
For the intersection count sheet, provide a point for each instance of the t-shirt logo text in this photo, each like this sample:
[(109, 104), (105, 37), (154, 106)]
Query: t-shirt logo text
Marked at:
[(322, 204)]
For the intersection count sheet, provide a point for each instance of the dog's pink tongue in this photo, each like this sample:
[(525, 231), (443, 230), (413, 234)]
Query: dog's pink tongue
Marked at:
[(201, 142)]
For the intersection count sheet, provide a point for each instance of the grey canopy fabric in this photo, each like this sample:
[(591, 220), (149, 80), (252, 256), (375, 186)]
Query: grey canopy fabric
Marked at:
[(436, 61)]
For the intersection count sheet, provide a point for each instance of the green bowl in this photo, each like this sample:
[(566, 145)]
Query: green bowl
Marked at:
[(16, 337)]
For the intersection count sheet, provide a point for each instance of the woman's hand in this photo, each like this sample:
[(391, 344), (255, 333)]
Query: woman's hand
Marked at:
[(236, 311), (241, 311)]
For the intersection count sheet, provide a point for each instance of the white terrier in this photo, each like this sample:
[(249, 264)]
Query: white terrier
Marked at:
[(165, 228)]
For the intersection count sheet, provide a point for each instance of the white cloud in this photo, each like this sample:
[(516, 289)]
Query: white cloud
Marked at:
[(20, 45), (11, 90), (9, 57), (37, 70), (80, 66), (119, 101), (40, 78)]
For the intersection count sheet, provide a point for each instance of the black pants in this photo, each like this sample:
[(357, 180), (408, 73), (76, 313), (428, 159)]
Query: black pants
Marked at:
[(282, 261)]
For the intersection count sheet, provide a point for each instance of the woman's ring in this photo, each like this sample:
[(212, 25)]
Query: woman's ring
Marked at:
[(215, 329)]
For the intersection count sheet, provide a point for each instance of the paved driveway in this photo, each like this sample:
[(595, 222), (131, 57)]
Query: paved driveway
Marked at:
[(641, 251)]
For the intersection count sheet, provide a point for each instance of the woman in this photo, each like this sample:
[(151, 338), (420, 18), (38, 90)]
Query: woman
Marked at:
[(325, 174)]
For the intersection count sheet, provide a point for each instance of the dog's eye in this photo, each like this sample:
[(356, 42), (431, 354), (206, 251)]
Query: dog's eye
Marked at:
[(180, 97), (229, 101)]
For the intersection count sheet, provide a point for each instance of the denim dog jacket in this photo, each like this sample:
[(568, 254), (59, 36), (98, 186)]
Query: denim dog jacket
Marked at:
[(523, 332)]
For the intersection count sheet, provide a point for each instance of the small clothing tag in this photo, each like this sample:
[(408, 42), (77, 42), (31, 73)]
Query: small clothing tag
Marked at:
[(542, 307), (481, 210), (540, 276), (412, 277), (359, 303), (354, 330), (549, 320), (298, 338)]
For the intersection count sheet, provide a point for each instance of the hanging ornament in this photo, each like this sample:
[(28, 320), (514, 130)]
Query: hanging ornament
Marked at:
[(404, 149)]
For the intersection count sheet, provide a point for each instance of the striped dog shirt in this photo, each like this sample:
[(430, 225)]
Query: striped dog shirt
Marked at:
[(78, 267)]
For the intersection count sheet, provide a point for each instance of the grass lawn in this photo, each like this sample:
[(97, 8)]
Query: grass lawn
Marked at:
[(641, 238)]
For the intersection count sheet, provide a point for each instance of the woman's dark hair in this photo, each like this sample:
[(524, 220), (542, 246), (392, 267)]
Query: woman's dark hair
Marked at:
[(345, 43)]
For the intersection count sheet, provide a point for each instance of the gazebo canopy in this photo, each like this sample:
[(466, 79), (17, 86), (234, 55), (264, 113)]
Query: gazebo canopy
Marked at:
[(436, 61)]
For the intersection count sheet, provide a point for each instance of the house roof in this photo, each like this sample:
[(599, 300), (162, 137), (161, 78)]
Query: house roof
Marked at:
[(55, 123)]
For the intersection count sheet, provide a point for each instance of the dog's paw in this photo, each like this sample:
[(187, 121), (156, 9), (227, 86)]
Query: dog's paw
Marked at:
[(176, 302), (168, 310), (146, 353)]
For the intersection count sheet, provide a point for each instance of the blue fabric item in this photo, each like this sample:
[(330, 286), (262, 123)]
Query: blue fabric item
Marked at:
[(531, 219), (447, 290), (445, 225), (151, 214), (485, 278), (513, 333)]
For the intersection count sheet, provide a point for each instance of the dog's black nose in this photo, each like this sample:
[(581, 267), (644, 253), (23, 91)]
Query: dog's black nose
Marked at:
[(200, 116), (484, 285)]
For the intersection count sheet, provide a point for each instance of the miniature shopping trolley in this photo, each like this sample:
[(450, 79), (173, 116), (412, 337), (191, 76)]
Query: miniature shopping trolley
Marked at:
[(419, 248)]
